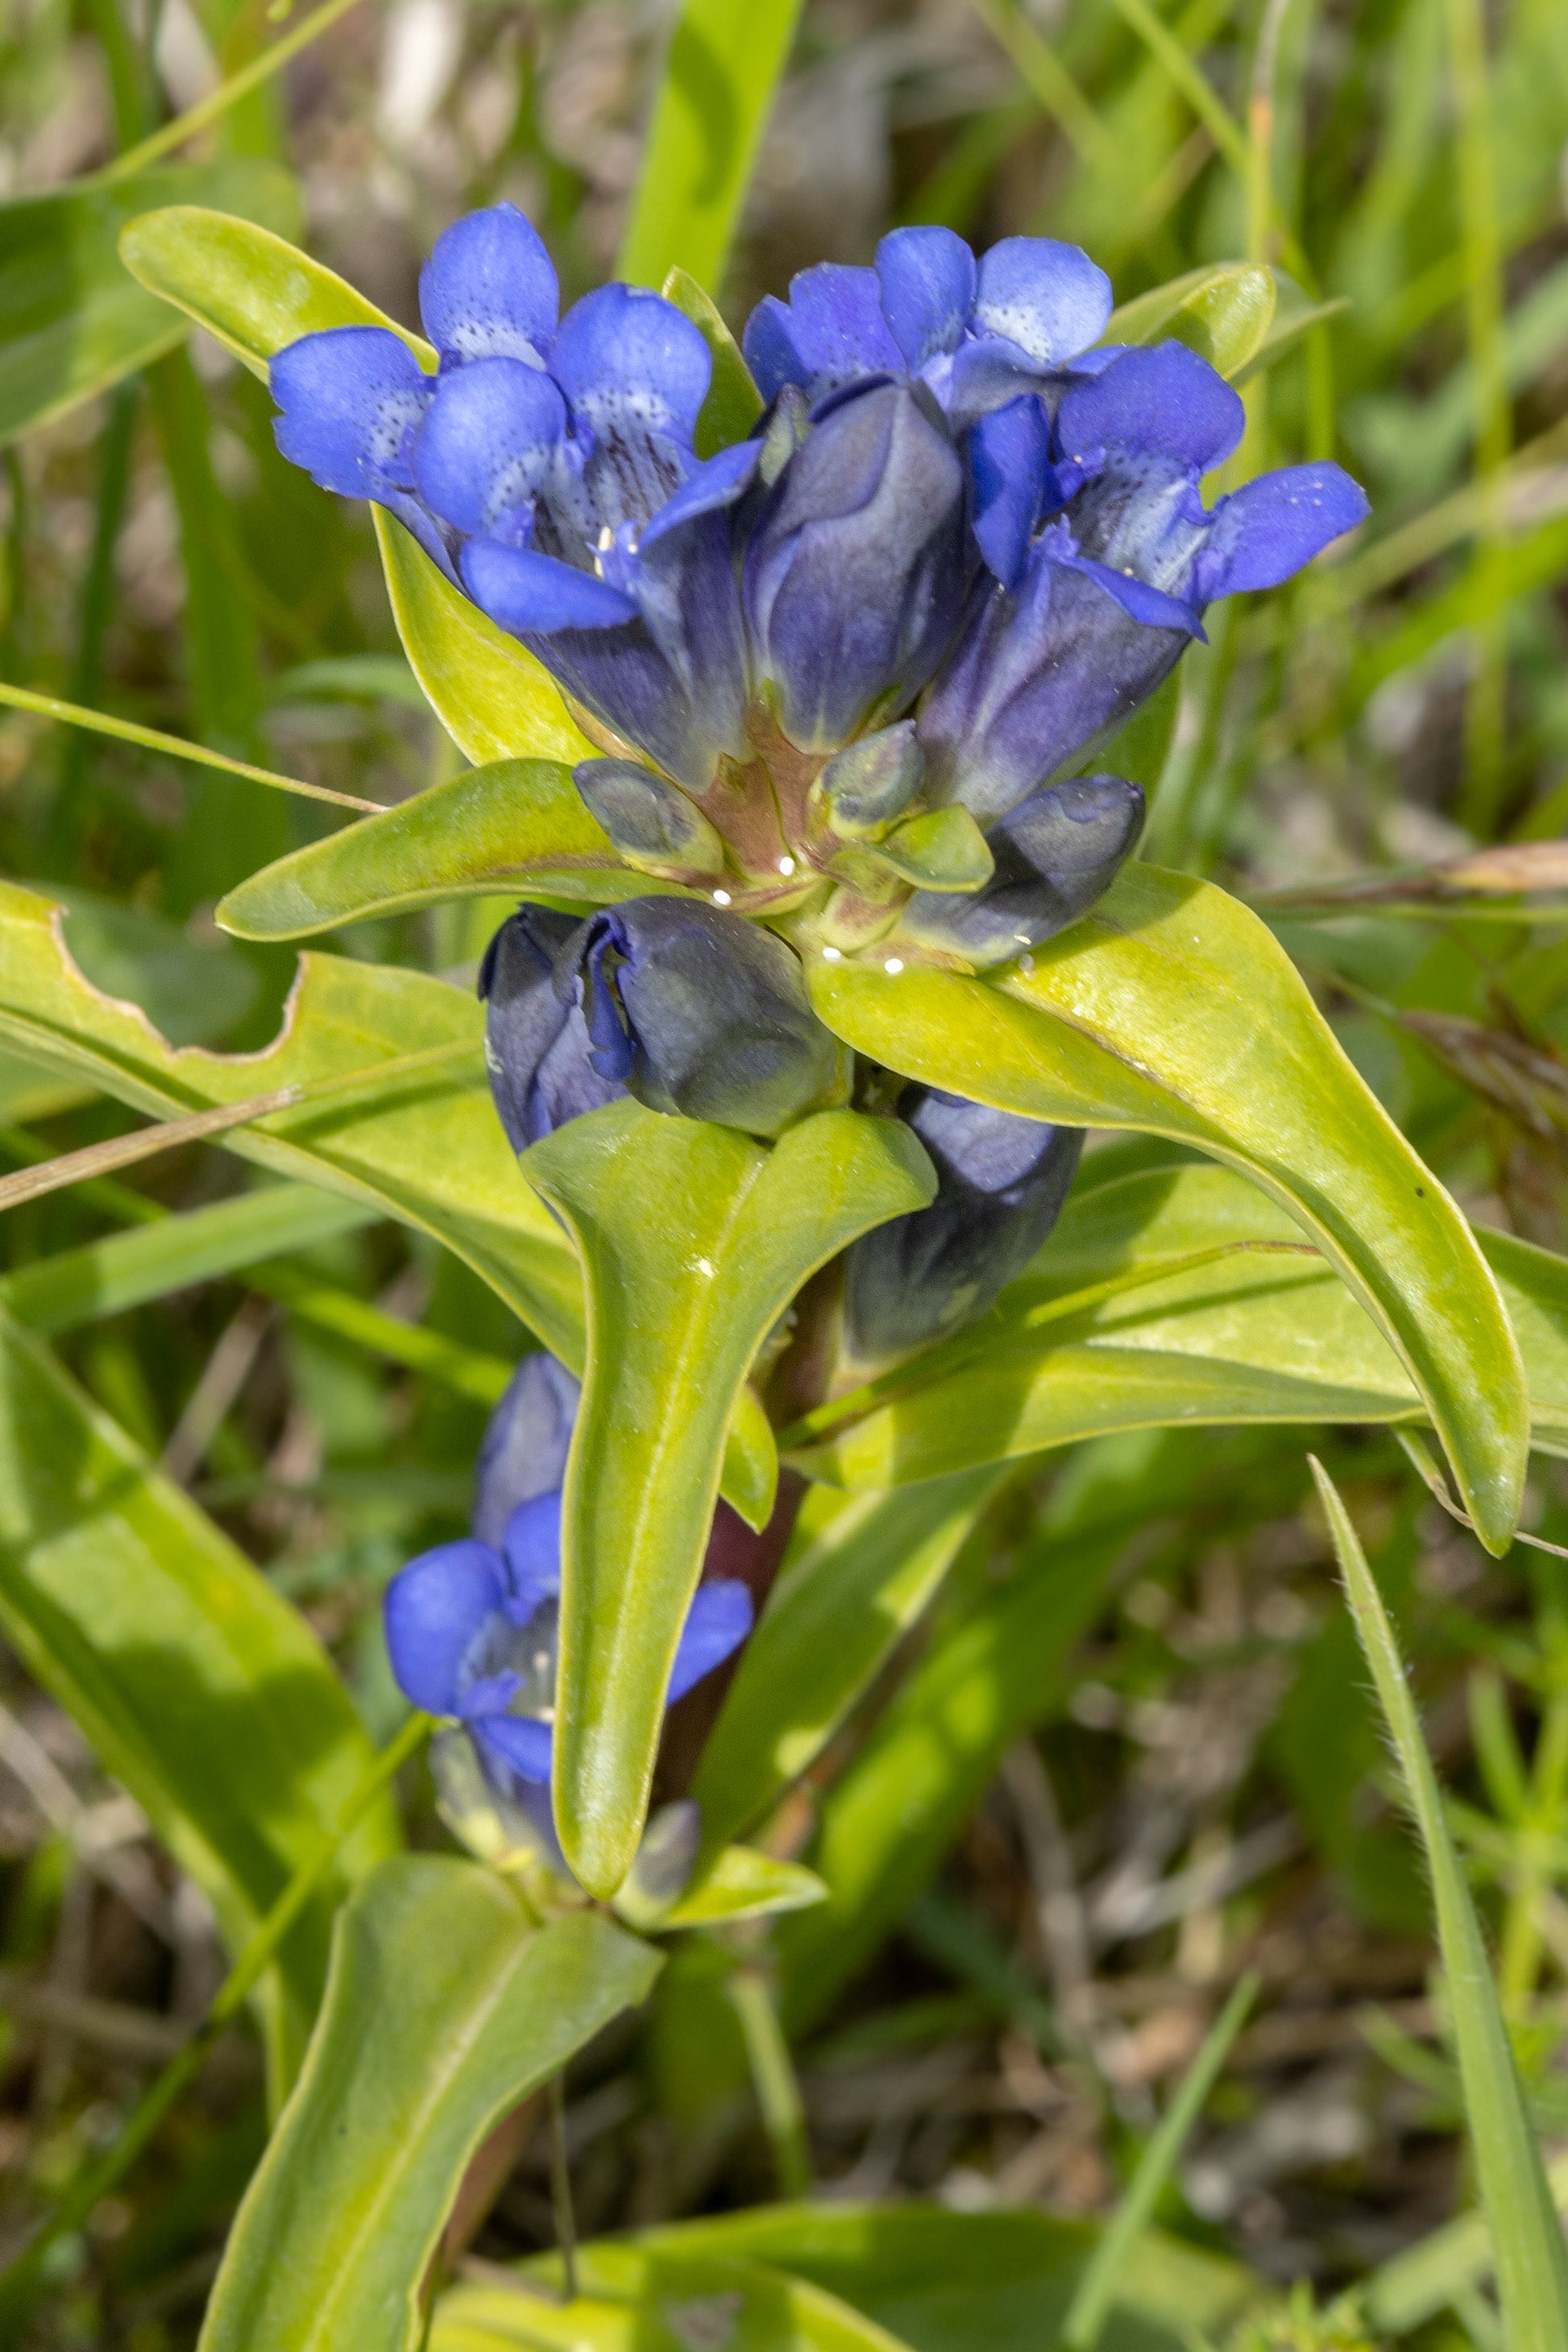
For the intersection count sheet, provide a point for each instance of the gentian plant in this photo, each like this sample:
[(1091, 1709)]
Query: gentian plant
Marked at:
[(827, 946), (808, 684)]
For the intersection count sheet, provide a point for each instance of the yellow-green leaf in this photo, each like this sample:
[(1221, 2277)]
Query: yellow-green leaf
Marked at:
[(519, 825), (1173, 1009)]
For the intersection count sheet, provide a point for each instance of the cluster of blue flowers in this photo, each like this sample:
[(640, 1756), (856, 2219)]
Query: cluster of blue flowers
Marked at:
[(842, 673), (954, 504), (471, 1626)]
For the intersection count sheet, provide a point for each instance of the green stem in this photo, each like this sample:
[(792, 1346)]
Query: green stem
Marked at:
[(228, 93), (90, 2187), (1484, 712), (1047, 79), (1090, 2305), (126, 730)]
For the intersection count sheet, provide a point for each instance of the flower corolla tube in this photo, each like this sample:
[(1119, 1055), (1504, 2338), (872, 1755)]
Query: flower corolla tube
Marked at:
[(471, 1627)]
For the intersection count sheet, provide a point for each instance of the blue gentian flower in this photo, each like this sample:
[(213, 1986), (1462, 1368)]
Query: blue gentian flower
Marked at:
[(698, 1013), (959, 509), (1104, 559), (550, 473), (975, 334), (1001, 1183), (471, 1627)]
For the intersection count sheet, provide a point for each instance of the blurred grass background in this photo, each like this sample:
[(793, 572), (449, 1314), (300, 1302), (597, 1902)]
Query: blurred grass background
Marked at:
[(1182, 1778)]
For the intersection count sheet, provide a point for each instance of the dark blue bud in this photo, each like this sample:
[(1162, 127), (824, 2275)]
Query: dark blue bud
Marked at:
[(536, 1048), (698, 1013), (1056, 853), (526, 1442), (869, 784), (853, 581), (649, 821), (1001, 1183)]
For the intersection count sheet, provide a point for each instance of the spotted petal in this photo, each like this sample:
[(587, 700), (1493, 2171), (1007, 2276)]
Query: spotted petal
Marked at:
[(1164, 401), (487, 446), (350, 399), (831, 333), (927, 281), (488, 291), (1265, 533), (1047, 297)]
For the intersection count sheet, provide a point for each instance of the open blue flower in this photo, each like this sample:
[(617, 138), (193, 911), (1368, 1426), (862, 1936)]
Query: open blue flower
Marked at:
[(550, 472), (973, 333), (472, 1626), (1105, 558), (956, 493)]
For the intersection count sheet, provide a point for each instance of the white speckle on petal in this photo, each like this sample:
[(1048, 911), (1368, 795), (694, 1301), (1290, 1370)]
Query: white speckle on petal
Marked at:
[(721, 898), (787, 866), (832, 955), (893, 966)]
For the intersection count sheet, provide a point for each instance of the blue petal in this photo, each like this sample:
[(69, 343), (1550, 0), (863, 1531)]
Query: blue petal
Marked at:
[(532, 1548), (488, 289), (718, 1621), (487, 445), (831, 333), (717, 483), (520, 1742), (351, 397), (522, 590), (1161, 401), (927, 279), (1015, 484), (1048, 298), (489, 1695), (525, 1444), (1267, 530), (434, 1608), (1149, 606), (632, 365)]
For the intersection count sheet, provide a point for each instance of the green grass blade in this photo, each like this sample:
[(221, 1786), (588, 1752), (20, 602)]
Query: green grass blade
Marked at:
[(718, 78), (1531, 2262), (1090, 2305)]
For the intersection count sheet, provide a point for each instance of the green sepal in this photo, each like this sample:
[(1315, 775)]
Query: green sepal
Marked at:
[(734, 403)]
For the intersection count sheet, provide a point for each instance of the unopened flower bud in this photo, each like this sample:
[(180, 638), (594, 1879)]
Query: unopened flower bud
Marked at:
[(869, 784), (650, 822), (853, 581), (536, 1047), (698, 1013), (1001, 1183), (1056, 853)]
